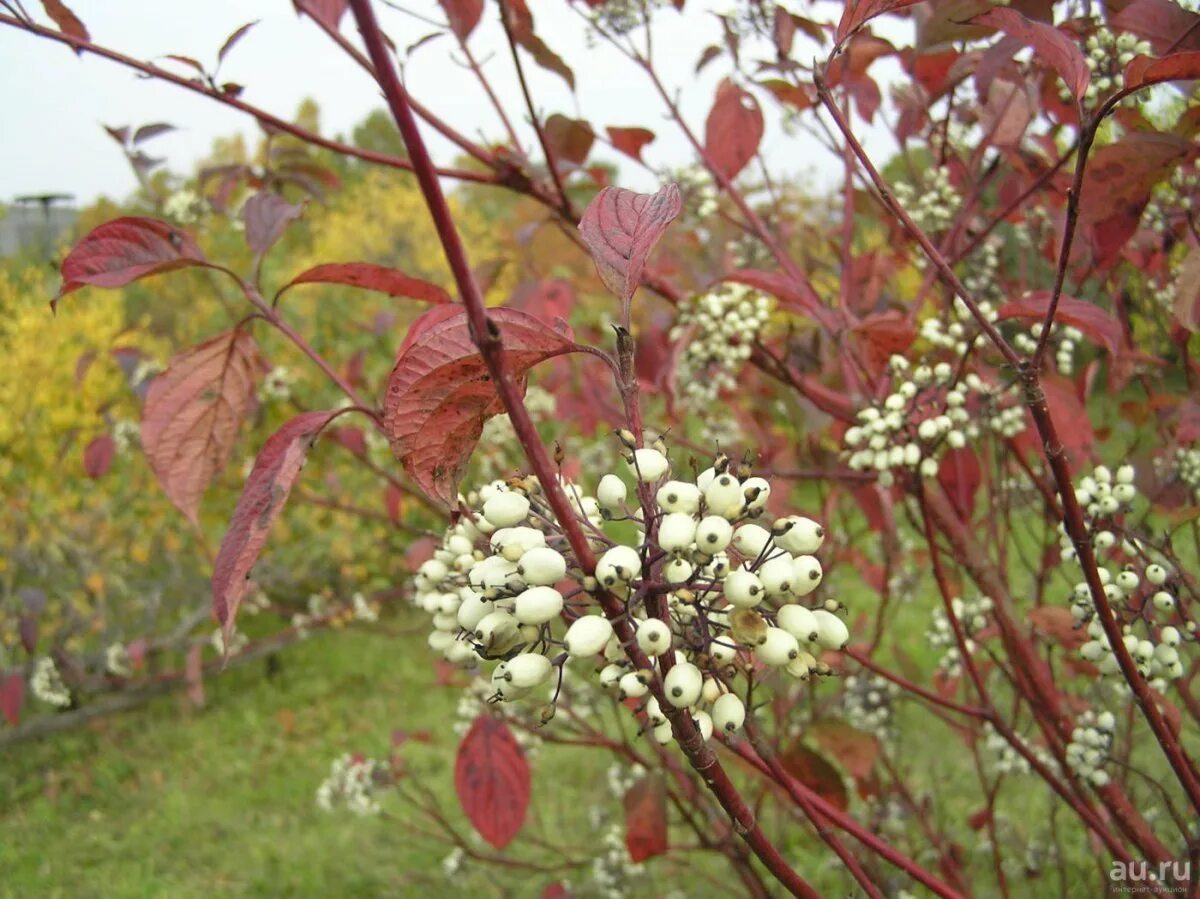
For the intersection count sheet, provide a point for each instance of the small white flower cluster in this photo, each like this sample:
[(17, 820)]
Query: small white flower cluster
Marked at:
[(698, 189), (973, 618), (145, 370), (622, 16), (1108, 53), (363, 609), (613, 871), (117, 661), (185, 206), (931, 205), (1091, 741), (318, 607), (926, 413), (277, 385), (504, 576), (126, 434), (1005, 759), (1062, 337), (621, 778), (721, 327), (237, 642), (453, 863), (867, 703), (353, 783), (47, 684)]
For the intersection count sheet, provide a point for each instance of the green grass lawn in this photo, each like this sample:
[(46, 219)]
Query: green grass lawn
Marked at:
[(173, 801)]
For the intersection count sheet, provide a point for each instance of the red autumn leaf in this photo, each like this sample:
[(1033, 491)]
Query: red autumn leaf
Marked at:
[(1092, 321), (520, 21), (548, 300), (1051, 45), (733, 130), (569, 140), (883, 335), (327, 12), (1164, 23), (27, 628), (68, 23), (193, 412), (369, 276), (1121, 175), (815, 772), (440, 393), (98, 456), (267, 215), (1071, 421), (794, 95), (463, 16), (646, 818), (393, 501), (491, 777), (352, 439), (1057, 624), (856, 750), (193, 675), (12, 697), (630, 141), (960, 476), (621, 227), (424, 322), (266, 490), (1146, 70), (233, 39), (858, 12), (124, 250), (556, 890)]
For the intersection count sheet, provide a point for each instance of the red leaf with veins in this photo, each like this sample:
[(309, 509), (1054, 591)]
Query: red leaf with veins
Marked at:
[(369, 276), (124, 250), (1095, 324), (193, 412), (1146, 70), (1161, 22), (815, 772), (630, 141), (267, 215), (68, 23), (1051, 45), (12, 697), (440, 392), (491, 777), (646, 818), (621, 227), (733, 130), (266, 490), (858, 12), (98, 457), (463, 16)]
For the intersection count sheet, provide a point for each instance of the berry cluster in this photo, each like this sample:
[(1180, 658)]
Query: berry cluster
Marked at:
[(1091, 741), (927, 412), (1108, 53), (867, 703), (354, 782), (972, 617), (720, 327), (1063, 337), (711, 582), (932, 205), (277, 385), (1005, 758)]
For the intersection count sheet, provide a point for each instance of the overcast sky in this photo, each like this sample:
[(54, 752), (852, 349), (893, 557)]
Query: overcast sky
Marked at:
[(56, 103)]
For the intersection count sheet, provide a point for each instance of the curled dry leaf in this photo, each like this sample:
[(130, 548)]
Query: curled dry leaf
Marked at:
[(463, 16), (858, 12), (266, 490), (440, 393), (68, 23), (193, 412), (124, 250), (491, 777), (621, 227)]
